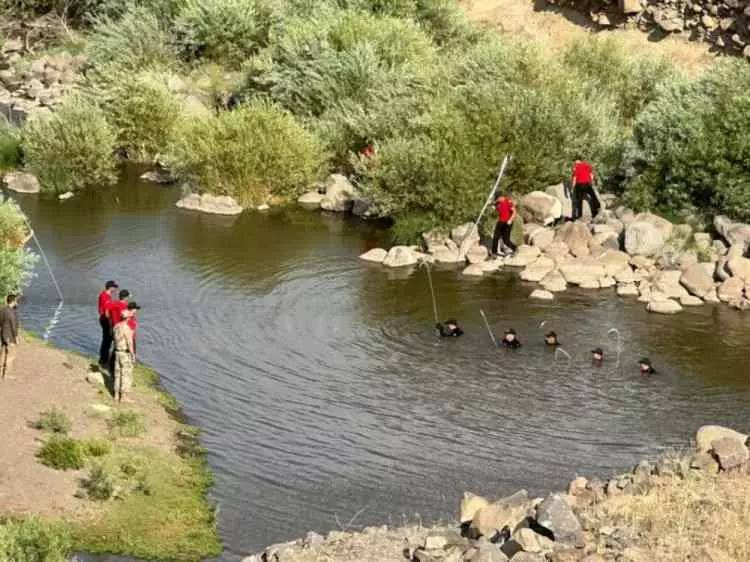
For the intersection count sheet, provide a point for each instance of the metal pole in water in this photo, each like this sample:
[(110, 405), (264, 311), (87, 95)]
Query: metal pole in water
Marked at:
[(489, 330), (56, 316), (432, 292), (561, 350)]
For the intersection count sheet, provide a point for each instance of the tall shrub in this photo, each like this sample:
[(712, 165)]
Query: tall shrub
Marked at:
[(72, 148), (10, 145), (251, 154), (16, 264), (33, 540)]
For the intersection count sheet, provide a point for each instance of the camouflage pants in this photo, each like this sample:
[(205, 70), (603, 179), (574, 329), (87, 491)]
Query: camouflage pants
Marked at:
[(7, 357), (123, 373)]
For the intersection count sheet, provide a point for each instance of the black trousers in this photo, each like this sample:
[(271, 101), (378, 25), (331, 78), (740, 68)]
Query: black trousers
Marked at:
[(502, 231), (584, 191), (104, 349)]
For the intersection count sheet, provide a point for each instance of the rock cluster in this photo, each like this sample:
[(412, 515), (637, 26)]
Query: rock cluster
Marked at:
[(561, 527), (31, 87), (338, 195), (666, 266), (724, 24)]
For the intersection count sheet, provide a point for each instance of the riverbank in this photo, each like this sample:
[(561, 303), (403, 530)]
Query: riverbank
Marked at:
[(131, 480), (692, 505)]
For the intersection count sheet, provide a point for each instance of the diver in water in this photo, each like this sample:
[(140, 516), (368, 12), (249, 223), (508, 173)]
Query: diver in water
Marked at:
[(551, 339), (510, 340), (450, 329), (646, 367), (597, 357)]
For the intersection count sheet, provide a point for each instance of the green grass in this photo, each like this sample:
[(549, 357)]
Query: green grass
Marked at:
[(99, 485), (34, 540), (53, 421), (126, 424)]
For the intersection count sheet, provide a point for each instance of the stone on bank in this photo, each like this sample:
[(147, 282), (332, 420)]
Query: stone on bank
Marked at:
[(21, 182), (212, 204)]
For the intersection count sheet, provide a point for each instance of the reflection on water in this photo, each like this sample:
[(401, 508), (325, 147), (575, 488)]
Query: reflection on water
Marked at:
[(320, 385)]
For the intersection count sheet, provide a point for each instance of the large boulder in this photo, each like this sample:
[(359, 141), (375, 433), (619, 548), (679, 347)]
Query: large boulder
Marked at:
[(560, 193), (576, 236), (443, 254), (21, 182), (540, 207), (731, 289), (311, 200), (554, 282), (668, 283), (538, 270), (613, 261), (733, 232), (470, 504), (340, 194), (739, 267), (542, 238), (555, 515), (507, 512), (663, 306), (707, 434), (376, 255), (697, 280), (729, 452), (582, 272), (436, 238), (400, 256), (212, 204), (524, 256), (647, 234), (477, 254)]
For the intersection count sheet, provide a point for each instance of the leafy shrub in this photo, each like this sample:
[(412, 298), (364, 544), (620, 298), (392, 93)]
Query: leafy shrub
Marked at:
[(34, 540), (10, 145), (96, 447), (62, 453), (250, 154), (72, 148), (691, 146), (99, 484), (53, 421), (13, 227), (127, 424), (16, 264), (223, 30), (144, 111)]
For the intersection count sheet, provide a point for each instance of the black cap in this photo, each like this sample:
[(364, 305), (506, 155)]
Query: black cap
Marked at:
[(597, 351), (452, 321), (644, 361), (551, 335), (124, 294), (511, 331), (111, 285), (133, 306)]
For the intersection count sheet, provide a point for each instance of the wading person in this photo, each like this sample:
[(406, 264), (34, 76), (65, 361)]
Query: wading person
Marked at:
[(597, 357), (551, 339), (510, 340), (450, 329), (124, 356), (645, 367), (105, 301), (582, 181), (8, 335), (506, 214)]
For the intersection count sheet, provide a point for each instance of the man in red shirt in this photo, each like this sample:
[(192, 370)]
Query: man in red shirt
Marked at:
[(506, 214), (583, 181), (105, 300)]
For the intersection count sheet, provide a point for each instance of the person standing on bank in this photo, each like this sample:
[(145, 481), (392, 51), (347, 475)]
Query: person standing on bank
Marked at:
[(582, 182), (8, 335), (506, 214), (105, 301), (124, 354)]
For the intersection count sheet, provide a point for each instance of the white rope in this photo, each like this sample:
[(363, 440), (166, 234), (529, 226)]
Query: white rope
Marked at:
[(56, 316)]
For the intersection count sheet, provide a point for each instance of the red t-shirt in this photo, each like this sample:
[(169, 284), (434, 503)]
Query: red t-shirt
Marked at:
[(133, 323), (105, 300), (504, 209), (582, 172), (368, 151), (115, 311)]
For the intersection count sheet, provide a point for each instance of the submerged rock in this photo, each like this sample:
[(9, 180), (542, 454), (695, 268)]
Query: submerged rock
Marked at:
[(474, 269), (542, 295), (376, 255), (213, 204), (663, 306)]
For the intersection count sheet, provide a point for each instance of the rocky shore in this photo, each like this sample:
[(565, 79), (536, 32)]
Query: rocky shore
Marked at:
[(665, 266), (683, 506)]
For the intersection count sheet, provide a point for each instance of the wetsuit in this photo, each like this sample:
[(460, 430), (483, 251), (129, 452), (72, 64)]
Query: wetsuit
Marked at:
[(448, 333), (514, 344), (649, 371)]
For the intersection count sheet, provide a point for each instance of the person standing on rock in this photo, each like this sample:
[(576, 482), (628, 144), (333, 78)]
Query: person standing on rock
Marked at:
[(8, 335), (105, 301), (583, 188), (506, 214), (124, 355)]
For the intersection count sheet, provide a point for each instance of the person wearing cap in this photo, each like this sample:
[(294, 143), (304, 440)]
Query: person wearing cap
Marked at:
[(124, 356), (450, 329), (133, 320), (510, 340), (646, 367), (105, 301), (551, 339), (116, 308), (597, 356)]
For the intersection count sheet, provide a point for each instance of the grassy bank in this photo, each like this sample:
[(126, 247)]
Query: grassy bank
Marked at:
[(124, 480)]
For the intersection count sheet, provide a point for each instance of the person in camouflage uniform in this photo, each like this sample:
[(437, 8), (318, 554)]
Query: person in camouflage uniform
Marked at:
[(124, 343)]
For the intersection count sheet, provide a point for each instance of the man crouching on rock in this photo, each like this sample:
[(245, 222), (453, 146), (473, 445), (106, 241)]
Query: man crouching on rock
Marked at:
[(124, 354)]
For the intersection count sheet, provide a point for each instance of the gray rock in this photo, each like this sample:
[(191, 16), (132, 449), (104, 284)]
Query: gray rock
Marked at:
[(707, 434), (542, 295), (376, 255), (555, 515), (212, 204), (361, 207), (540, 207), (646, 235), (158, 176), (704, 462), (576, 236), (21, 182), (340, 194), (733, 232), (491, 519), (311, 200), (400, 256), (730, 452), (465, 235), (487, 552), (558, 192), (528, 557), (697, 281), (663, 306)]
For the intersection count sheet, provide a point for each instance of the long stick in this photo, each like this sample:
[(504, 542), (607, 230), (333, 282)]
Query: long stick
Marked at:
[(432, 292), (489, 330), (490, 197)]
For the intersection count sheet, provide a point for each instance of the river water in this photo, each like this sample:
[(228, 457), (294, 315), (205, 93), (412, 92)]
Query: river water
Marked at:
[(322, 390)]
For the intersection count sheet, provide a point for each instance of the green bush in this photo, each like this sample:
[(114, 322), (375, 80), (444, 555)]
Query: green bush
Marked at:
[(72, 148), (691, 147), (227, 31), (10, 145), (34, 540), (54, 421), (251, 154), (96, 447), (127, 424), (13, 227), (16, 264), (99, 484), (144, 111), (62, 453)]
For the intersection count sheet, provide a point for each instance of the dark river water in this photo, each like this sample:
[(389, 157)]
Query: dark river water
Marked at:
[(322, 390)]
